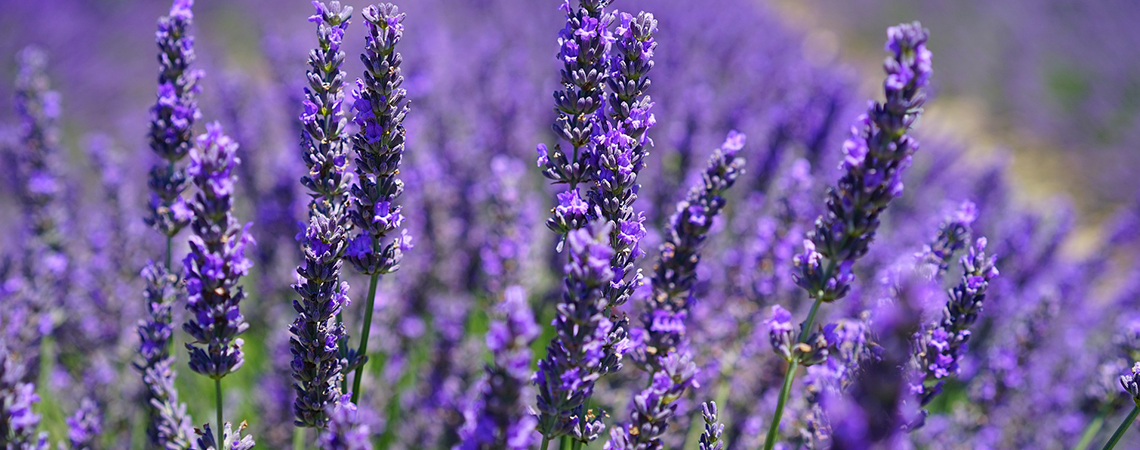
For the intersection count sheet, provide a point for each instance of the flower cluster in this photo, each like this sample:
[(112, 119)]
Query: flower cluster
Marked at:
[(169, 426), (622, 150), (18, 422), (346, 430), (172, 119), (499, 419), (938, 348), (216, 261), (317, 366), (875, 158), (583, 47), (323, 136), (654, 406), (674, 275), (575, 358), (381, 105)]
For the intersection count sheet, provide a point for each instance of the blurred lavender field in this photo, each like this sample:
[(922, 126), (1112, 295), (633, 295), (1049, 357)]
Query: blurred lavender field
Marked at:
[(1022, 160)]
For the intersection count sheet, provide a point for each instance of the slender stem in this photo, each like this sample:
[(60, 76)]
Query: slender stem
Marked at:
[(1122, 428), (789, 376), (169, 250), (298, 438), (774, 428), (565, 443), (545, 443), (809, 322), (218, 390), (1094, 427), (364, 329), (577, 445)]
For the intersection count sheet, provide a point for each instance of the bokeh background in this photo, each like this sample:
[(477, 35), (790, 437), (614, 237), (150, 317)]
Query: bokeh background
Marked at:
[(1043, 95)]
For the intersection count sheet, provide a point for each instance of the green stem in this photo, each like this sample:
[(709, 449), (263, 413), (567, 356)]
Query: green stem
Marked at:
[(773, 429), (577, 445), (545, 443), (789, 376), (565, 443), (218, 390), (364, 330), (1122, 428), (1093, 428), (169, 250), (298, 438)]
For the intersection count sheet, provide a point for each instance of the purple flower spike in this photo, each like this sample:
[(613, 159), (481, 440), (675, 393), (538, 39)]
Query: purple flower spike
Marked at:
[(346, 429), (499, 418), (172, 118), (317, 366), (939, 347), (575, 357), (655, 405), (169, 425), (18, 422), (231, 439), (675, 272), (85, 427), (381, 105), (217, 259), (710, 438), (583, 46), (876, 155), (323, 138)]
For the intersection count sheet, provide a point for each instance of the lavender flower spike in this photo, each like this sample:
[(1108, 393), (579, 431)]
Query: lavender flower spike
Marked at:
[(710, 438), (574, 359), (661, 345), (172, 119), (655, 405), (316, 361), (623, 148), (168, 426), (676, 271), (217, 259), (583, 45), (939, 348), (317, 368), (346, 430), (323, 136), (381, 106), (499, 419), (875, 157), (18, 422), (231, 440), (85, 427)]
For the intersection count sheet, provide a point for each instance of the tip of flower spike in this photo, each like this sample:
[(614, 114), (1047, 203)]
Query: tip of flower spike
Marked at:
[(911, 60), (181, 9), (734, 142)]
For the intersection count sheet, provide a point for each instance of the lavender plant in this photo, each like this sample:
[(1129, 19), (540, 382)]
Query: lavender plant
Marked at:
[(452, 339), (499, 418), (215, 265), (875, 157), (381, 105), (661, 347), (171, 127), (317, 365), (574, 357)]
